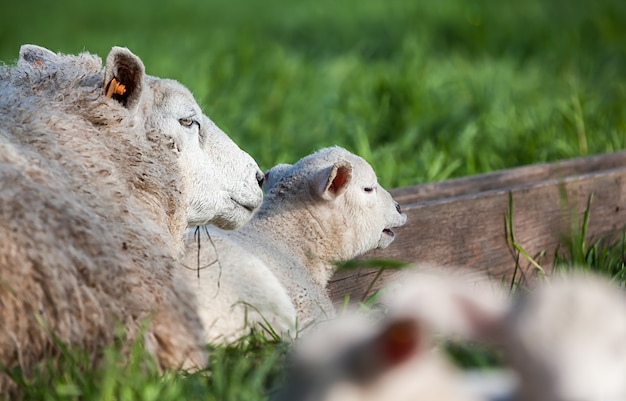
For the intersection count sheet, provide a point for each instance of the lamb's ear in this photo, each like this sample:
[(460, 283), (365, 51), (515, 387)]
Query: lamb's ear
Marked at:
[(333, 181), (36, 55), (400, 339), (397, 341), (123, 77)]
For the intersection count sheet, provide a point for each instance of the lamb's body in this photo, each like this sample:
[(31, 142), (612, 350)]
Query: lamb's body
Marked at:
[(325, 209), (95, 194)]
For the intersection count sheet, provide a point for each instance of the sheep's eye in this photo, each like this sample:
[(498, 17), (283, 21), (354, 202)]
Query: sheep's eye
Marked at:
[(188, 122), (368, 189)]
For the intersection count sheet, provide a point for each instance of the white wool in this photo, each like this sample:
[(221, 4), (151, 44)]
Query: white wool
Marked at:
[(564, 337), (326, 208), (358, 358), (97, 187)]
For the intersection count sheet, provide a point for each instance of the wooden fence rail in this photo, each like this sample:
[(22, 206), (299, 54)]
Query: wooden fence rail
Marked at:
[(461, 222)]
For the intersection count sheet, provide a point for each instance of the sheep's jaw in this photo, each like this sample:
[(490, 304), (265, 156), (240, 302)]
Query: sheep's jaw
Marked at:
[(386, 237), (389, 232), (247, 206)]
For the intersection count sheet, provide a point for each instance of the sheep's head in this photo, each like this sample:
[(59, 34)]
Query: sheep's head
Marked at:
[(341, 191), (355, 358), (222, 181)]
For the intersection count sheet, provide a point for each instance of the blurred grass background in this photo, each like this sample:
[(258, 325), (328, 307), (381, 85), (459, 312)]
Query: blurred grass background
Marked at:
[(424, 90)]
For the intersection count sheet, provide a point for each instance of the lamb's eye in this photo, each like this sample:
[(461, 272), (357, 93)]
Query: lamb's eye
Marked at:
[(188, 122), (368, 189)]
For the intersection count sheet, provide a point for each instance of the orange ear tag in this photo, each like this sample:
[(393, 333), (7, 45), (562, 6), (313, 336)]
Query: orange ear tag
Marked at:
[(115, 88)]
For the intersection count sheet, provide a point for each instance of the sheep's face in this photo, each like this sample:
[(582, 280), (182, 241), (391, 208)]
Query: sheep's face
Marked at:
[(379, 213), (343, 196), (222, 181), (354, 358)]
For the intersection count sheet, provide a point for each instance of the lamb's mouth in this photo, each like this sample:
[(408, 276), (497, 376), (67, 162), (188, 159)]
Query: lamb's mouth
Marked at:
[(389, 232)]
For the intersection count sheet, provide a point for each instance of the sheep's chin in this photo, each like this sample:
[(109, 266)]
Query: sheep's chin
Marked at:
[(232, 217), (235, 217), (386, 238)]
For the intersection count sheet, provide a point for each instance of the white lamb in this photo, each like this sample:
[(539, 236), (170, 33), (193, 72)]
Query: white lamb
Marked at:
[(565, 338), (102, 169), (357, 358), (273, 271)]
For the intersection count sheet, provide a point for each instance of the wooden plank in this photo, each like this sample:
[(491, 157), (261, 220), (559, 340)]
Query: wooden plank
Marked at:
[(466, 226), (509, 178)]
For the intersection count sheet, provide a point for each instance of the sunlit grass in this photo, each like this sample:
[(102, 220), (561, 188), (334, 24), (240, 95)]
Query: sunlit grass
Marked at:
[(423, 90)]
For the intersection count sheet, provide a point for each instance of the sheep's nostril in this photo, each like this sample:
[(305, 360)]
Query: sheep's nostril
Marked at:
[(260, 178), (398, 208)]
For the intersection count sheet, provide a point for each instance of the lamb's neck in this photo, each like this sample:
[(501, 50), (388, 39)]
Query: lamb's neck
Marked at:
[(300, 236)]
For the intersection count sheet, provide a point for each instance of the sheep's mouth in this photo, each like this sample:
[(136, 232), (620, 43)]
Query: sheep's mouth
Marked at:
[(249, 207), (389, 232)]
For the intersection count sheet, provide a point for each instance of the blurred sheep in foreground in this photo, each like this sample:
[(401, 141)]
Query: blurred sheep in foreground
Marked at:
[(563, 341)]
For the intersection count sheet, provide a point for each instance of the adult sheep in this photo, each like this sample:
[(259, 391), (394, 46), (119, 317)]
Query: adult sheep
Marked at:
[(326, 208), (101, 172)]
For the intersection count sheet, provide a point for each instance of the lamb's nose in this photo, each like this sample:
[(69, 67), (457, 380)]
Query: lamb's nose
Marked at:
[(398, 208), (260, 178)]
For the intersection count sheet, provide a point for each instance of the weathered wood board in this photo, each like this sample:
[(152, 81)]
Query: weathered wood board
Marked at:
[(461, 222)]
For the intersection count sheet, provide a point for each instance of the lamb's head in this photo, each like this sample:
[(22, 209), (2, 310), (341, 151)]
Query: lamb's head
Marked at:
[(223, 182), (274, 174), (342, 194), (356, 358)]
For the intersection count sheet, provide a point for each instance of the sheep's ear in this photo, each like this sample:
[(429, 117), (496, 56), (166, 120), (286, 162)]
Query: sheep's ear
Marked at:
[(36, 55), (397, 341), (123, 77), (333, 181)]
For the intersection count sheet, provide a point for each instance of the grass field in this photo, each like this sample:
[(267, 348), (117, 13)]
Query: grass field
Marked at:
[(424, 90)]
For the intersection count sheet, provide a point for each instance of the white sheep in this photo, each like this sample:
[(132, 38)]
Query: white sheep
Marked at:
[(273, 271), (359, 358), (101, 172), (564, 338)]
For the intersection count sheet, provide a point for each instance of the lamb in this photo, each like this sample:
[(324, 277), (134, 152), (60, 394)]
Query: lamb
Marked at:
[(273, 271), (564, 338), (359, 358), (101, 172)]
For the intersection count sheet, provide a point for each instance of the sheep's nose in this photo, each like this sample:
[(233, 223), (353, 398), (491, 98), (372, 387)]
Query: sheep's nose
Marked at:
[(260, 178), (398, 208)]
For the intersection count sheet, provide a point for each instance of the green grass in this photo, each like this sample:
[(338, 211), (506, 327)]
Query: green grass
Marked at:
[(245, 371), (424, 91)]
